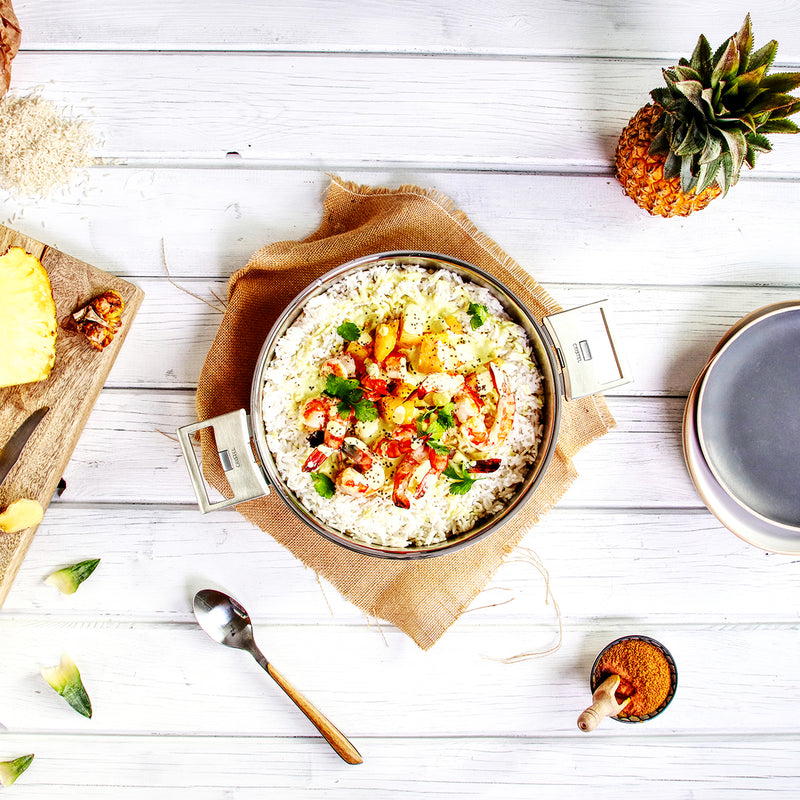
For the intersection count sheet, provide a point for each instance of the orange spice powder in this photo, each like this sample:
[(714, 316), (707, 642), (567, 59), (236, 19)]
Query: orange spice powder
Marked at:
[(644, 673)]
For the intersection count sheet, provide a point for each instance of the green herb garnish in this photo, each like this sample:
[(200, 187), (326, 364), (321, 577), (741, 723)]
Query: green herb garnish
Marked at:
[(438, 447), (445, 416), (433, 424), (323, 484), (11, 770), (350, 396), (478, 314), (365, 411), (461, 479), (349, 331)]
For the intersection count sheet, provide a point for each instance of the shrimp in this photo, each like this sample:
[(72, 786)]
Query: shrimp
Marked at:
[(416, 470), (485, 430), (343, 366), (314, 414), (396, 366), (336, 428), (506, 407), (363, 475), (396, 444), (443, 383), (467, 406), (351, 481), (355, 451), (404, 474)]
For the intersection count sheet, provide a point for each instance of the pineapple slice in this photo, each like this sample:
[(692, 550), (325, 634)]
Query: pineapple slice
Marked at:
[(27, 319)]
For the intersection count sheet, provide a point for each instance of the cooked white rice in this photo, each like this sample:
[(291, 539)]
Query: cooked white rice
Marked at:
[(367, 298)]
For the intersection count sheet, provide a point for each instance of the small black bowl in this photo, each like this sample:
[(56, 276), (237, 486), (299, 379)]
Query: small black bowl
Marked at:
[(594, 678)]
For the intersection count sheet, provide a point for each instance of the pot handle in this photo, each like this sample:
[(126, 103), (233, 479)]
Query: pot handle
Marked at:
[(232, 437)]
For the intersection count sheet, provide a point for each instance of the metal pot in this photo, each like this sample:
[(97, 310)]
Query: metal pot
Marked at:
[(575, 351)]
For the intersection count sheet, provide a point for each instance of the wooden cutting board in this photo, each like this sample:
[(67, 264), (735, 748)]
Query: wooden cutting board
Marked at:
[(78, 375)]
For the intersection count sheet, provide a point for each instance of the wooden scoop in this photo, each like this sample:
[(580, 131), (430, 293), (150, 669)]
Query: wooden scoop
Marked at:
[(604, 704)]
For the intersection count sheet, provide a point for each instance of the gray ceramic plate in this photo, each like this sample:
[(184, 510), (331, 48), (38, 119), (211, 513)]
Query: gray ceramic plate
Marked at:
[(748, 423), (750, 527)]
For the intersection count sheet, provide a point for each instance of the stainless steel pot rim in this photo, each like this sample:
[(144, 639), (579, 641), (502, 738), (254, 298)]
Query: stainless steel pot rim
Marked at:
[(550, 374), (717, 448)]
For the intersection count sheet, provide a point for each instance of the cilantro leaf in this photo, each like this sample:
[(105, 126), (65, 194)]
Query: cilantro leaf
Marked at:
[(445, 416), (461, 480), (349, 331), (438, 447), (323, 484), (478, 314), (351, 396), (365, 410), (346, 390)]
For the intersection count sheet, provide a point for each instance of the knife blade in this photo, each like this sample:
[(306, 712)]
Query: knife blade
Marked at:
[(16, 444)]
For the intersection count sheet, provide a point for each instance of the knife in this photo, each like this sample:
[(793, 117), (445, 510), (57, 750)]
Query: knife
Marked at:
[(14, 446)]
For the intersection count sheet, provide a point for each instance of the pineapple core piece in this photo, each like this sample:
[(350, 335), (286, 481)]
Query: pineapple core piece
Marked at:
[(27, 319)]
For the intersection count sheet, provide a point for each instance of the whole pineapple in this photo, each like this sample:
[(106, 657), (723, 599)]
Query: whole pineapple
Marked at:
[(687, 147)]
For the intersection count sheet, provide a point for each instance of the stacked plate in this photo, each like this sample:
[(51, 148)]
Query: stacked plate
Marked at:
[(741, 429)]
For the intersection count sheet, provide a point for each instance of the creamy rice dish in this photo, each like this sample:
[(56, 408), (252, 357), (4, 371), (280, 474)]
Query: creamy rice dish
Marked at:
[(403, 405)]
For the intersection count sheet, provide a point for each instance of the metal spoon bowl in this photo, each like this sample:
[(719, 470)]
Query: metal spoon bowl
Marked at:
[(226, 621)]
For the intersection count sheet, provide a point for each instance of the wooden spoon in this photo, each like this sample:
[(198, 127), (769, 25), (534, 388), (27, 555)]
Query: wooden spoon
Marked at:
[(604, 704)]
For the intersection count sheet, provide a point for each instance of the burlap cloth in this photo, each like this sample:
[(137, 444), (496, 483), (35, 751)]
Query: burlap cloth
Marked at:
[(423, 597)]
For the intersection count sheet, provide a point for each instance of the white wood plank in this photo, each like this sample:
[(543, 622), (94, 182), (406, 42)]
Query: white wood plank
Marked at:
[(127, 454), (682, 567), (172, 679), (552, 768), (563, 229), (667, 333), (340, 111), (655, 29)]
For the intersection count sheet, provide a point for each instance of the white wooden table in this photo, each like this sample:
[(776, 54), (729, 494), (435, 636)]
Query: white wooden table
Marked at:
[(219, 122)]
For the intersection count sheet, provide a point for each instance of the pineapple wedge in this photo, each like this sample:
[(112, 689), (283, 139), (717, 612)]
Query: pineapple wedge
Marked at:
[(20, 515), (27, 319)]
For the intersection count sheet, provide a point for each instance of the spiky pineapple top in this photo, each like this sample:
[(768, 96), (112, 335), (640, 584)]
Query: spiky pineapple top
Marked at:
[(717, 108)]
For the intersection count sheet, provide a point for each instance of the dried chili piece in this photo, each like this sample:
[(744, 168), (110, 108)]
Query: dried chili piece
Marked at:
[(99, 319)]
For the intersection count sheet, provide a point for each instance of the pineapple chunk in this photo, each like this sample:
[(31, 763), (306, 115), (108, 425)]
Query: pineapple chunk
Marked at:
[(386, 338), (21, 514), (27, 319)]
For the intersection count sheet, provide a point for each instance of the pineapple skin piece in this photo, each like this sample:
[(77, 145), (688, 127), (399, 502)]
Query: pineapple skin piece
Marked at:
[(27, 319), (65, 680), (641, 173), (11, 770)]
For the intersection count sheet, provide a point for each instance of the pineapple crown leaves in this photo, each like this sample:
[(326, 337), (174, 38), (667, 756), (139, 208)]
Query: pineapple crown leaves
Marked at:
[(718, 106)]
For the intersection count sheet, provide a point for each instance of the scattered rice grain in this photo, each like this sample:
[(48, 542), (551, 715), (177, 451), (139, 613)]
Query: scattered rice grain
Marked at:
[(41, 148)]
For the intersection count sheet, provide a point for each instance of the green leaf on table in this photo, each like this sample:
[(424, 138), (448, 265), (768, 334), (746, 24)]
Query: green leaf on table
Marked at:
[(65, 679), (11, 770), (68, 579)]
